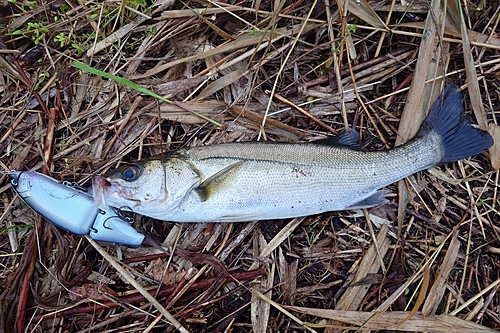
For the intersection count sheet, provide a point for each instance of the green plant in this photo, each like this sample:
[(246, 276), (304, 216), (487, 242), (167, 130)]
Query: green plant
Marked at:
[(34, 30), (351, 29), (61, 39), (37, 31), (481, 202), (24, 5), (133, 42), (150, 31), (17, 227), (77, 47), (41, 79)]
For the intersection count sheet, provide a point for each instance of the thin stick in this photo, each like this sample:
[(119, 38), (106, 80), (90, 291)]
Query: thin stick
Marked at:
[(303, 111), (127, 278)]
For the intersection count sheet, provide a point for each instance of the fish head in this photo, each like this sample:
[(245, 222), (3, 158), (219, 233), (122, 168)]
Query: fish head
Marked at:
[(134, 185), (149, 187)]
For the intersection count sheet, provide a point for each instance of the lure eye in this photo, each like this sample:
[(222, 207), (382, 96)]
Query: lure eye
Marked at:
[(131, 172)]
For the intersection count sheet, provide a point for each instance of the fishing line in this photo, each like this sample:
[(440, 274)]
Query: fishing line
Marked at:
[(13, 181)]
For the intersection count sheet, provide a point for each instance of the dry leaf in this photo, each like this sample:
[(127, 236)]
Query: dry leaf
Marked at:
[(222, 82), (494, 131), (240, 42), (458, 21), (474, 36), (388, 321), (363, 10), (93, 291)]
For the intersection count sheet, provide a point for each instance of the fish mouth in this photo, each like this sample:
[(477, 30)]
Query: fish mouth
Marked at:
[(104, 191), (98, 187)]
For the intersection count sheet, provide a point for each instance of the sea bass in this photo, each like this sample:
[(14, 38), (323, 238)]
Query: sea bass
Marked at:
[(237, 182)]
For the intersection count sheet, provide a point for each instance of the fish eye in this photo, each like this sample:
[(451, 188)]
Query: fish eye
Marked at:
[(131, 172)]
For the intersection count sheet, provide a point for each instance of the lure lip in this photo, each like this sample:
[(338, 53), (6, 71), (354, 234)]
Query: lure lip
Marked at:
[(111, 226)]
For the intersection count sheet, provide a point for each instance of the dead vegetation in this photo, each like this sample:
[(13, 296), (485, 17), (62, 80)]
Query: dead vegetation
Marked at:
[(278, 71)]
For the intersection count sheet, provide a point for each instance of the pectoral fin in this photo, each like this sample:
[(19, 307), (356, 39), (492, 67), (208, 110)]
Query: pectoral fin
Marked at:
[(377, 198), (218, 181)]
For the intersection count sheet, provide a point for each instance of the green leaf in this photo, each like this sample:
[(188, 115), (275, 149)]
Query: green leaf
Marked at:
[(130, 84)]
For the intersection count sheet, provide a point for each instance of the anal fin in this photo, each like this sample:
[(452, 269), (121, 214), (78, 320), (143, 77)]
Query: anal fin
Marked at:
[(377, 198)]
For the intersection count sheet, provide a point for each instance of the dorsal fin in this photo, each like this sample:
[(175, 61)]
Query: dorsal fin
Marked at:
[(350, 137)]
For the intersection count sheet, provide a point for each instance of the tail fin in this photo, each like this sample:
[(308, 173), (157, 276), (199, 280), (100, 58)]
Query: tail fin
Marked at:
[(446, 118)]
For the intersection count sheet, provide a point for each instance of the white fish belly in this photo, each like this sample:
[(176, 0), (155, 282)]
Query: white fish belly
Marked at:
[(272, 194)]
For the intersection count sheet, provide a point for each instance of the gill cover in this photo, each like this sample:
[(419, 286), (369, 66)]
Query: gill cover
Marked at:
[(151, 185)]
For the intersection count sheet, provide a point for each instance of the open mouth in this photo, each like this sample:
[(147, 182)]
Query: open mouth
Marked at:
[(98, 184), (109, 193)]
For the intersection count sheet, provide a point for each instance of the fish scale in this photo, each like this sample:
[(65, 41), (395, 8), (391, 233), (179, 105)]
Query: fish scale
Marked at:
[(281, 189), (238, 182)]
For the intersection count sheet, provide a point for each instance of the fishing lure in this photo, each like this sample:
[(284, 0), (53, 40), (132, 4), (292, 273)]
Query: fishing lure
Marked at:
[(72, 208)]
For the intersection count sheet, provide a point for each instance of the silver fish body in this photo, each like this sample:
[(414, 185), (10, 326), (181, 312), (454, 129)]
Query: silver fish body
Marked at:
[(256, 181)]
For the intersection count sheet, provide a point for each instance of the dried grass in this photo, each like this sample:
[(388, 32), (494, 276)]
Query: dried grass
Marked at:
[(277, 71)]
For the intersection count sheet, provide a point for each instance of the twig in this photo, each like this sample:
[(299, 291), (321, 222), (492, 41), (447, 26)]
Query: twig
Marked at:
[(303, 111), (27, 267), (138, 297), (48, 146), (127, 278), (345, 71)]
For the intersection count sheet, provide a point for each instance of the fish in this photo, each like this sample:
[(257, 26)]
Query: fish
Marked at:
[(246, 181)]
